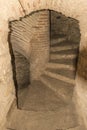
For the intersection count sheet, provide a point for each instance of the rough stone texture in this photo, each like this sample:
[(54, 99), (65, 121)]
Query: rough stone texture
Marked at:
[(40, 45), (30, 38), (12, 9), (21, 71), (63, 26), (44, 120), (20, 38), (7, 91), (21, 34)]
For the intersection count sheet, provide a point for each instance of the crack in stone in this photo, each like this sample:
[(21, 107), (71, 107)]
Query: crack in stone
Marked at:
[(22, 7)]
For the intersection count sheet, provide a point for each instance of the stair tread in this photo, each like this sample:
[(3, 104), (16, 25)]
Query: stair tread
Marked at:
[(63, 48), (64, 72), (40, 97), (60, 77), (58, 40), (31, 120), (60, 66), (64, 61), (62, 89), (65, 52), (65, 43), (64, 56), (58, 83)]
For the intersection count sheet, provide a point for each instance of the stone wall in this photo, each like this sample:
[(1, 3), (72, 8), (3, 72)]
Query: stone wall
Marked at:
[(13, 10), (21, 71), (29, 39), (64, 27), (20, 36), (40, 46)]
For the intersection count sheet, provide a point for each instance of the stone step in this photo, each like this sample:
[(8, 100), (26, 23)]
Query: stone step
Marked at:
[(40, 97), (64, 72), (59, 56), (62, 89), (59, 77), (72, 62), (62, 48), (57, 40), (50, 120), (64, 43), (60, 66), (66, 52)]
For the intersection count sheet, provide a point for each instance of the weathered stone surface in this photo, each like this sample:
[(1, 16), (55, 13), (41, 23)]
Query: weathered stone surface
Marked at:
[(21, 71), (64, 26), (12, 9)]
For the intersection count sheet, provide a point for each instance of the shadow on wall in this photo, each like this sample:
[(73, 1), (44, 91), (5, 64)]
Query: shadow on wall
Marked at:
[(82, 64), (20, 67), (12, 61), (61, 27)]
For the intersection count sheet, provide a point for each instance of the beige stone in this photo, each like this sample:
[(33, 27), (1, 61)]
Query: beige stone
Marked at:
[(13, 10)]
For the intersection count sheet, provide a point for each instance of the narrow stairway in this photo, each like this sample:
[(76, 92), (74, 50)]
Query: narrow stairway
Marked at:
[(47, 103), (61, 70)]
